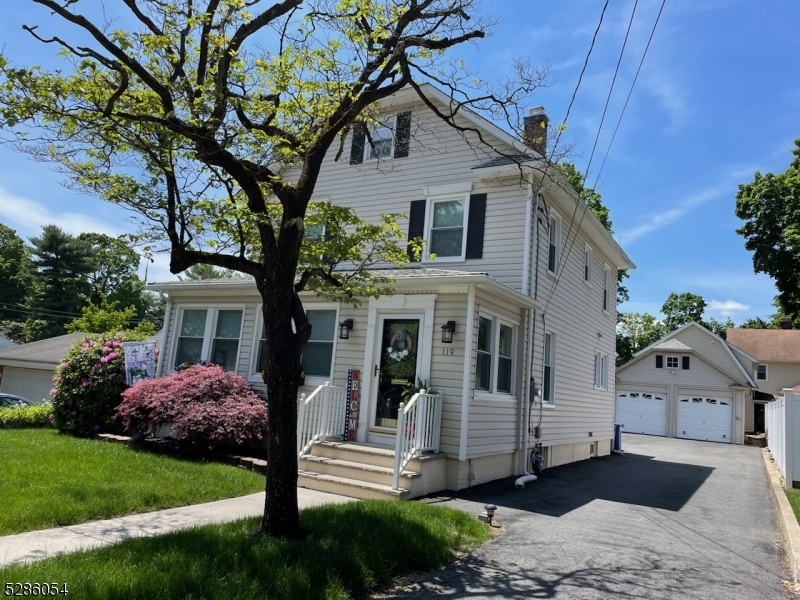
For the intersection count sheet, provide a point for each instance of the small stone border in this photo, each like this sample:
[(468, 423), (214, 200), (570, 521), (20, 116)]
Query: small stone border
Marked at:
[(245, 462), (786, 519)]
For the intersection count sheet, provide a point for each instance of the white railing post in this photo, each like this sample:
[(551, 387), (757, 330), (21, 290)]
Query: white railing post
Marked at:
[(322, 429), (301, 413), (398, 445)]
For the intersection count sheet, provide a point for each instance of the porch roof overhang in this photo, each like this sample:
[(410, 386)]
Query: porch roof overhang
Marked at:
[(405, 280)]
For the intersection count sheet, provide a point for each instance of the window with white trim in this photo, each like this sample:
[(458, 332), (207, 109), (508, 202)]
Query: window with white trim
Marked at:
[(549, 383), (554, 244), (762, 373), (601, 370), (587, 264), (317, 358), (672, 362), (210, 334), (380, 143), (606, 299), (446, 235), (494, 371)]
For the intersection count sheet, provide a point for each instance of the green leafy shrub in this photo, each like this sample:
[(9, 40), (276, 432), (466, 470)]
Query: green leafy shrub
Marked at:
[(89, 383), (23, 417)]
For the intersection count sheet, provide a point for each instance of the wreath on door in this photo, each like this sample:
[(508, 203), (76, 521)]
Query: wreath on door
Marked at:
[(400, 345)]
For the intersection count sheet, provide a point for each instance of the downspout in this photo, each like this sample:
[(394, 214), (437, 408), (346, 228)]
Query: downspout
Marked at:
[(162, 353), (465, 395), (526, 476)]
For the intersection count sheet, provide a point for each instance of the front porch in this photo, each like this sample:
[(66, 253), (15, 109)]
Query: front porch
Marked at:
[(329, 459)]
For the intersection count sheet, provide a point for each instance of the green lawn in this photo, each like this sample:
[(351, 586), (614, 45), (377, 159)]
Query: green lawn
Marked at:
[(794, 500), (48, 479), (351, 550)]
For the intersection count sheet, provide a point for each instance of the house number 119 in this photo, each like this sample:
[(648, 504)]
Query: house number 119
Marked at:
[(448, 351)]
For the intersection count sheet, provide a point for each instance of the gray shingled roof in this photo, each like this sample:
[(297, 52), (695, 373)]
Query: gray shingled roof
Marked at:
[(672, 344), (51, 350), (499, 161)]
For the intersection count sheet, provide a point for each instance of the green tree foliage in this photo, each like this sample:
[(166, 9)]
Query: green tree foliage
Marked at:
[(191, 117), (114, 274), (683, 308), (14, 274), (61, 264), (757, 323), (203, 271), (106, 317), (770, 208), (636, 331), (718, 327), (594, 201)]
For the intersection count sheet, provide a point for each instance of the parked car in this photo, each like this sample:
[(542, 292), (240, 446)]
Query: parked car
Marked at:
[(10, 401)]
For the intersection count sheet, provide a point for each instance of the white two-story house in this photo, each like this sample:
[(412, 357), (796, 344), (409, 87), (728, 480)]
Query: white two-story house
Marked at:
[(512, 322)]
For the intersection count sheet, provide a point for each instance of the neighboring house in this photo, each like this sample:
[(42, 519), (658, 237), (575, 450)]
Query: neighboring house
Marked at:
[(778, 367), (6, 343), (27, 370), (528, 280), (689, 384)]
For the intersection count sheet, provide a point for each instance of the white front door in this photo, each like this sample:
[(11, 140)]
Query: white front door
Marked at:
[(642, 412), (396, 363), (705, 418)]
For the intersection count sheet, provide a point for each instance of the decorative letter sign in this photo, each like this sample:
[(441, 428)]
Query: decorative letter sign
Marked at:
[(353, 402)]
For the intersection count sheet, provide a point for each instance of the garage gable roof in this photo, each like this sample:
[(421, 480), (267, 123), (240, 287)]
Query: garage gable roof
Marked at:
[(675, 345), (667, 338), (49, 351)]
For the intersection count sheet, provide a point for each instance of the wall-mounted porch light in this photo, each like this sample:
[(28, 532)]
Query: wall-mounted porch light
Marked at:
[(344, 329), (448, 329)]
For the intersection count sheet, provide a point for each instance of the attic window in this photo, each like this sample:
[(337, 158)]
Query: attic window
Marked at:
[(672, 362), (382, 141), (387, 139)]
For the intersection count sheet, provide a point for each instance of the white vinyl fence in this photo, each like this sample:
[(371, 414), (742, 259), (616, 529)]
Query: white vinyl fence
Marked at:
[(783, 435)]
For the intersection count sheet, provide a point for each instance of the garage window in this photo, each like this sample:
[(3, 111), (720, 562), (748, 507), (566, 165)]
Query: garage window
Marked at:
[(672, 362), (761, 374)]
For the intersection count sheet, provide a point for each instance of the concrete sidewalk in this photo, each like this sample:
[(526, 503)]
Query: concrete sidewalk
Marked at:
[(36, 545)]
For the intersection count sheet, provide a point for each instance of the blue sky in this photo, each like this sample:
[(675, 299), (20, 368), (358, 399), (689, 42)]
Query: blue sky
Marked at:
[(718, 98)]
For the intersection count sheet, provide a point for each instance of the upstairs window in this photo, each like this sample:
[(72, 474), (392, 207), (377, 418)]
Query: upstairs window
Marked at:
[(554, 245), (587, 264), (380, 142), (606, 299), (761, 374), (387, 139), (447, 228), (549, 383), (672, 362)]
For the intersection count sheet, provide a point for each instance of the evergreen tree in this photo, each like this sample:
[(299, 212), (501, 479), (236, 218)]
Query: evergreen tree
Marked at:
[(61, 264)]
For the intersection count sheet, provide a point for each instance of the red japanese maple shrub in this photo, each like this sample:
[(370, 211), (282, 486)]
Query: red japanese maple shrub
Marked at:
[(205, 405)]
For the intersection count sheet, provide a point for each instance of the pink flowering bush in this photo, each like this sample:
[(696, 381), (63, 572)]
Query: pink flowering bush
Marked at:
[(88, 383), (205, 405)]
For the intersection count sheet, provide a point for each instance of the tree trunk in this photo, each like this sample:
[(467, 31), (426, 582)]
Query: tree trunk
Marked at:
[(281, 517)]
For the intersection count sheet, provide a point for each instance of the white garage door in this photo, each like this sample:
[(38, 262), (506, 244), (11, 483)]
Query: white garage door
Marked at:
[(33, 384), (642, 412), (703, 418)]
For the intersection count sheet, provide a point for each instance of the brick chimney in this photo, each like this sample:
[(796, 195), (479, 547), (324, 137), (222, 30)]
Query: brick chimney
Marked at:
[(786, 324), (535, 135)]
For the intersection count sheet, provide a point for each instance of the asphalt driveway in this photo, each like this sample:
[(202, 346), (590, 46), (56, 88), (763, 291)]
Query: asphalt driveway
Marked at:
[(670, 519)]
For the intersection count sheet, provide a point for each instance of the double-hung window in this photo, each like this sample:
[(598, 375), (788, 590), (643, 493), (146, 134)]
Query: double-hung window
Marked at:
[(494, 372), (317, 359), (210, 334), (601, 370), (761, 374), (446, 237), (380, 142), (549, 383), (554, 245), (587, 264)]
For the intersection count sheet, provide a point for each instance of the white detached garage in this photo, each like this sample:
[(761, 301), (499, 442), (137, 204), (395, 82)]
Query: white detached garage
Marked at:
[(690, 384), (27, 370)]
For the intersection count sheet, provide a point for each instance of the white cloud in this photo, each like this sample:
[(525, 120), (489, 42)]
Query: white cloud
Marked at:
[(28, 217), (728, 307)]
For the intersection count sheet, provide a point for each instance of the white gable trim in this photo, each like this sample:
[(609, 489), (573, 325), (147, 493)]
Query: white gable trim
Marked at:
[(703, 329)]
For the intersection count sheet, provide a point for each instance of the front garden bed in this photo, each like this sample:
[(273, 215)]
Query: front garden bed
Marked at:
[(49, 479), (350, 550)]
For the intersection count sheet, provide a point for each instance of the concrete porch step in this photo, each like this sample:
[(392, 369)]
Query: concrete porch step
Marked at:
[(355, 470), (348, 487), (356, 453)]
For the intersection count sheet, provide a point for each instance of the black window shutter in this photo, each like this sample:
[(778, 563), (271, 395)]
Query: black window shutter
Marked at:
[(659, 361), (475, 225), (357, 147), (686, 363), (402, 134), (416, 224)]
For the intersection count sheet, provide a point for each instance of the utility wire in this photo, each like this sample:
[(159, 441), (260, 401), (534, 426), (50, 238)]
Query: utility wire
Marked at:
[(641, 62), (48, 313)]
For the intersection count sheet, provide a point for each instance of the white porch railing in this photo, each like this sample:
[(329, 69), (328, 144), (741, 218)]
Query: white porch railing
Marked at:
[(320, 416), (419, 425)]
